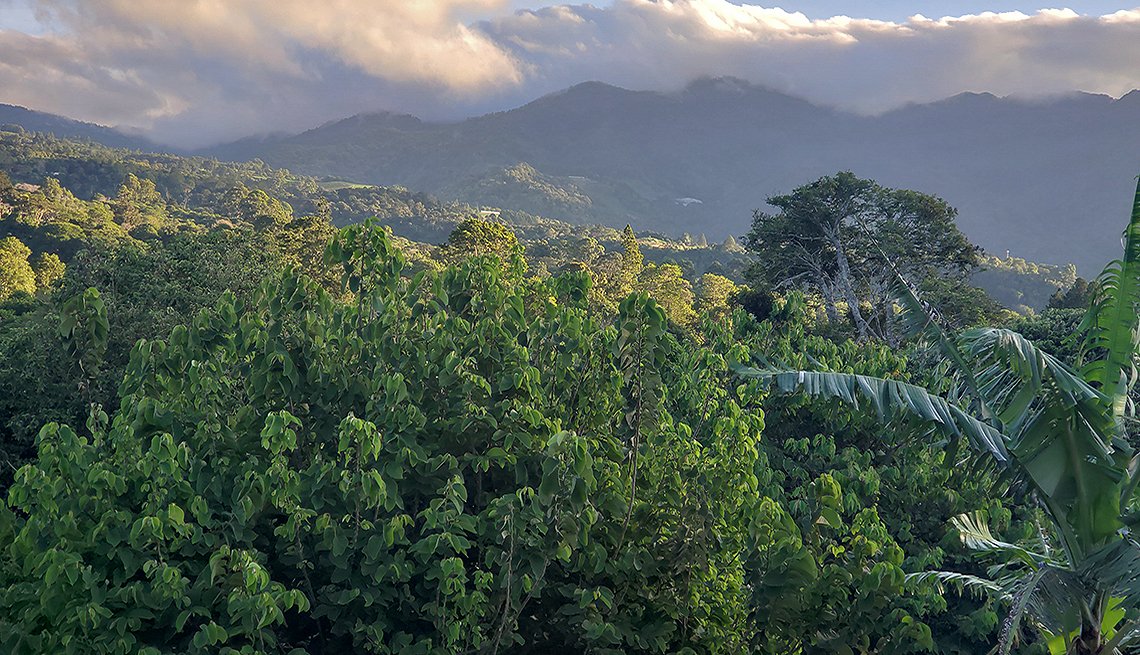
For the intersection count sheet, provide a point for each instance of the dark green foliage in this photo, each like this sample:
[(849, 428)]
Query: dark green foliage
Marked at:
[(865, 499), (1078, 296), (467, 461), (48, 376)]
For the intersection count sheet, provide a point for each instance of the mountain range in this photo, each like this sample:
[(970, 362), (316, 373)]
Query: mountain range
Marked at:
[(66, 128), (1049, 179)]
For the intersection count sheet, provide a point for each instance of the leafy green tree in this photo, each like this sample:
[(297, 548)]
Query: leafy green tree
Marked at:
[(49, 269), (477, 237), (842, 237), (961, 305), (632, 261), (262, 210), (666, 284), (616, 275), (886, 493), (16, 273), (713, 293), (139, 207), (52, 190), (1066, 435), (1077, 296)]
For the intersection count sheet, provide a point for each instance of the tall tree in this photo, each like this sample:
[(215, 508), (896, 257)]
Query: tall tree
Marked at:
[(712, 294), (842, 237), (632, 261), (49, 269)]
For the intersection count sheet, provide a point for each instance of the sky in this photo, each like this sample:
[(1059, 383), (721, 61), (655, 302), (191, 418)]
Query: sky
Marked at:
[(195, 72)]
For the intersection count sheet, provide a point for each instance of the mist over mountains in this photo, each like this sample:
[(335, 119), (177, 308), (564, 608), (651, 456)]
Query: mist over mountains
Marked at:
[(1045, 179)]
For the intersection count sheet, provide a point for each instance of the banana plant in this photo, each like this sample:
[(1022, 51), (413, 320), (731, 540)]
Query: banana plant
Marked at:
[(1064, 430)]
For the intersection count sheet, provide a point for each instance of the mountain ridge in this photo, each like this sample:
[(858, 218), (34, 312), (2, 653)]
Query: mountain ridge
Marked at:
[(1040, 176), (64, 127), (1012, 165)]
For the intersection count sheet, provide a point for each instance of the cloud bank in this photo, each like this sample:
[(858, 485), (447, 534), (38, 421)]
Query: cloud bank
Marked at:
[(197, 71)]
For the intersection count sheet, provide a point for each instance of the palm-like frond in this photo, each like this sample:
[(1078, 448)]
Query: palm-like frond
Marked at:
[(920, 319), (1115, 569), (890, 398), (963, 582), (976, 535), (1022, 599), (1012, 372), (1111, 323)]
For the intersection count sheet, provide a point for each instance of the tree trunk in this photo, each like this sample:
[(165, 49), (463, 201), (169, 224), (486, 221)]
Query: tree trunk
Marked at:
[(846, 287), (828, 291)]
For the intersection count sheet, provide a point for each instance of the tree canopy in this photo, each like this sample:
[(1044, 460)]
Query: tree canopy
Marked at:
[(844, 237)]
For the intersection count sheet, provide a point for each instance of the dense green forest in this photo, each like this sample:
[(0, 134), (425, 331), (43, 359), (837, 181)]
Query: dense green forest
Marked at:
[(245, 411)]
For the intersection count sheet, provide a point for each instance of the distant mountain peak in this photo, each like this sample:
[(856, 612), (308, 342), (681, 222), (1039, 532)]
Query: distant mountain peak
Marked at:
[(586, 91), (723, 84)]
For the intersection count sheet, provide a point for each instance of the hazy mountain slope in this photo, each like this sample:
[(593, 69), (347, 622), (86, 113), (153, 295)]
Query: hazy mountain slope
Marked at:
[(1048, 180), (66, 128)]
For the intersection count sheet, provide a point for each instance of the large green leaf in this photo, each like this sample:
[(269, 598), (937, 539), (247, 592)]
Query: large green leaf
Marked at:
[(920, 319), (976, 535), (1061, 432), (890, 398), (1111, 324), (963, 582)]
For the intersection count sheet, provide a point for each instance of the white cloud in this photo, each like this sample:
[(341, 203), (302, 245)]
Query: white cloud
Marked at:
[(860, 64), (197, 70)]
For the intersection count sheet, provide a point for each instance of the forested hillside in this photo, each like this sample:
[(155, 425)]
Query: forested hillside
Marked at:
[(698, 160), (249, 411)]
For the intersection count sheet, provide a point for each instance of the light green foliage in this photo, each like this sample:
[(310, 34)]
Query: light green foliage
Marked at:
[(49, 269), (50, 219), (445, 463), (522, 187), (140, 209), (666, 284), (632, 261), (1020, 284), (256, 207), (16, 273), (713, 293), (477, 237)]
